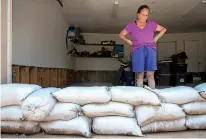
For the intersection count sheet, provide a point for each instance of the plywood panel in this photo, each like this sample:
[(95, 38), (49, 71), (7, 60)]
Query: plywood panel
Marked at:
[(53, 76), (43, 77), (33, 75), (15, 74), (24, 74), (59, 78), (93, 76), (64, 77)]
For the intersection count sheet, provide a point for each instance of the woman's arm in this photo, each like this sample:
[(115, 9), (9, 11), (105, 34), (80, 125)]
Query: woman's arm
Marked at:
[(162, 31), (123, 34)]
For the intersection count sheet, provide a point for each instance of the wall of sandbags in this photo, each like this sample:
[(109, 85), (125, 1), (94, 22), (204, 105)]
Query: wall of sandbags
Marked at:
[(117, 110)]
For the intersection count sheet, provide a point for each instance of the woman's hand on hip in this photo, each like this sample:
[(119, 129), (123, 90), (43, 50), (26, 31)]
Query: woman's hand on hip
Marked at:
[(155, 39), (129, 42)]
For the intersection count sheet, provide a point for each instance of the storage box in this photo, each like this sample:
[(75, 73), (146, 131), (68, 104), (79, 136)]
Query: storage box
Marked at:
[(166, 80), (180, 79), (165, 67), (180, 68)]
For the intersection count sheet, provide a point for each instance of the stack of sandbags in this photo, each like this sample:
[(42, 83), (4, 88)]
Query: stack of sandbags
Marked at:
[(201, 88), (196, 111), (118, 116), (112, 118), (180, 95), (37, 106), (65, 118), (12, 118), (167, 117), (73, 98), (196, 114)]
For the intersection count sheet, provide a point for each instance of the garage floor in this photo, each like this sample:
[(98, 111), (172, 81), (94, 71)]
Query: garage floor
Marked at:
[(182, 134)]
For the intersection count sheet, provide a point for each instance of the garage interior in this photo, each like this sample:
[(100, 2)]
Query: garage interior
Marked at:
[(40, 54), (40, 46)]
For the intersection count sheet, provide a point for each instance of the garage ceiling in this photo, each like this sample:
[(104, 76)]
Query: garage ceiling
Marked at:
[(103, 16)]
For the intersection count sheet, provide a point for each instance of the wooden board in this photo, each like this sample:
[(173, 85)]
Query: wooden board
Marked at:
[(59, 78), (33, 75), (65, 77), (53, 77), (43, 77), (24, 74), (15, 74), (93, 76)]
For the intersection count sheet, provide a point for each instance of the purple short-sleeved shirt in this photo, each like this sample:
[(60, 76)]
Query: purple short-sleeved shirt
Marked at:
[(141, 37)]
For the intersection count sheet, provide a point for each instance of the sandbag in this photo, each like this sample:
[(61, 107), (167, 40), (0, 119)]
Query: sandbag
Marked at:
[(201, 88), (146, 114), (164, 126), (108, 109), (116, 125), (134, 95), (203, 94), (64, 111), (195, 107), (39, 104), (22, 127), (83, 95), (196, 121), (77, 126), (12, 113), (14, 94), (178, 95)]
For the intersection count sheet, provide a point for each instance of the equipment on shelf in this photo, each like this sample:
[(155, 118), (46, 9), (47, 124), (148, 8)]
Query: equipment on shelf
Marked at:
[(108, 42), (74, 35)]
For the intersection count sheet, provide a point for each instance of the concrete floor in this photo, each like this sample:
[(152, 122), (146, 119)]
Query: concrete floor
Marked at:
[(182, 134)]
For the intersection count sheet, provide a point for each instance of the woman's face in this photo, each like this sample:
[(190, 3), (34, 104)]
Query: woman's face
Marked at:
[(143, 15)]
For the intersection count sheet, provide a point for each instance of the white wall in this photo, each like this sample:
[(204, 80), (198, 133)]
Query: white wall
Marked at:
[(108, 64), (3, 41), (39, 30)]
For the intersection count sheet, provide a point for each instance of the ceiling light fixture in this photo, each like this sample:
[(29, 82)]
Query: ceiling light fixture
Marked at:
[(116, 2), (203, 1)]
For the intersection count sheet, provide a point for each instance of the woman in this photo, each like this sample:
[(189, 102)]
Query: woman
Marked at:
[(143, 45)]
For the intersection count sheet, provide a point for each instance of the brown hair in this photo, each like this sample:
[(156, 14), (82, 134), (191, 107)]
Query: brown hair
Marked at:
[(142, 7)]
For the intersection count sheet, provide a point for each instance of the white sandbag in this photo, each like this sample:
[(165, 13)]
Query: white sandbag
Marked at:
[(22, 127), (77, 126), (64, 111), (14, 94), (146, 114), (134, 95), (201, 88), (39, 104), (116, 125), (203, 94), (195, 107), (165, 126), (196, 121), (179, 95), (108, 109), (12, 113), (83, 95)]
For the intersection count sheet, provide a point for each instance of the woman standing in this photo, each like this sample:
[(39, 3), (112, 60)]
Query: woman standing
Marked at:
[(143, 45)]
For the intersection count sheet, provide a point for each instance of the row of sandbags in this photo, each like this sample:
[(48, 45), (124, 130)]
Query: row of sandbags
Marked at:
[(108, 110)]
